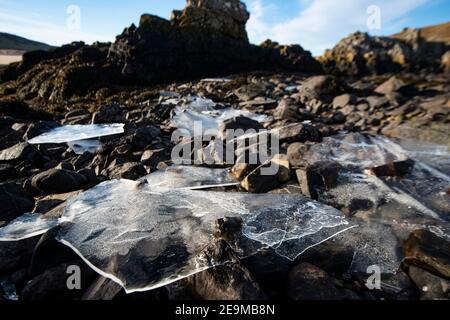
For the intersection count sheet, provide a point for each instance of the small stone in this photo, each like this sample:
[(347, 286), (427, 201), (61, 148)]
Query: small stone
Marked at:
[(393, 169), (129, 170), (431, 287), (343, 101), (58, 181), (319, 176), (308, 282), (14, 201), (426, 250), (295, 154), (21, 151)]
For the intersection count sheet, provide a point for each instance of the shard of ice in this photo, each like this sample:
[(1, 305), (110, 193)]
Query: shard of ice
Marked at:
[(189, 177), (205, 112), (80, 147), (386, 209), (71, 133), (357, 151), (143, 238), (26, 226)]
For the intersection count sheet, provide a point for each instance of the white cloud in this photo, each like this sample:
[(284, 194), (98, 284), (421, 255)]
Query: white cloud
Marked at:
[(322, 23), (34, 27)]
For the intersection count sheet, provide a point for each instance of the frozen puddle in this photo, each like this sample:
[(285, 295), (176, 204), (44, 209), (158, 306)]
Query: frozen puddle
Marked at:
[(143, 238), (79, 137)]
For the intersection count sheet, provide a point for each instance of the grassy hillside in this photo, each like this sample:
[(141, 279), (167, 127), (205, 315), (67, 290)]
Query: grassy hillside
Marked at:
[(13, 42), (437, 33)]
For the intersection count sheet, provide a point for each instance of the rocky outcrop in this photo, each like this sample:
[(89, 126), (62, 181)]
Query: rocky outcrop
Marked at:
[(361, 54), (207, 38)]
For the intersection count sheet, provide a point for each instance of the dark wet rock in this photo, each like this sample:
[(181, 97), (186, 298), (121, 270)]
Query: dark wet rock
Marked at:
[(239, 123), (102, 289), (307, 282), (108, 114), (299, 132), (332, 257), (7, 171), (153, 157), (58, 181), (14, 201), (394, 169), (130, 170), (318, 177), (52, 283), (207, 38), (21, 151), (231, 281), (430, 286), (16, 255), (228, 228), (426, 250), (49, 253), (144, 136)]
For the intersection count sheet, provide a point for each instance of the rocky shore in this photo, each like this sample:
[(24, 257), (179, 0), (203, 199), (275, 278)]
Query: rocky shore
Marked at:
[(364, 141)]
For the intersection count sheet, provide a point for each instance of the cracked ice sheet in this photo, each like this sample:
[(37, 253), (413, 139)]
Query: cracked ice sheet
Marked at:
[(189, 177), (71, 133), (206, 112), (144, 239), (392, 207), (26, 226)]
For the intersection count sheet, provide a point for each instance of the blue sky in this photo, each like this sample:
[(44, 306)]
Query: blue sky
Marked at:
[(314, 24)]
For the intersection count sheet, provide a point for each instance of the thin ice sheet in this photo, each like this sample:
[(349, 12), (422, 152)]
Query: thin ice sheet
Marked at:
[(144, 239), (72, 133)]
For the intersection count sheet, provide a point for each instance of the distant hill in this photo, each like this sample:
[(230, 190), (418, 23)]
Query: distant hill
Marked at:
[(13, 44), (436, 33)]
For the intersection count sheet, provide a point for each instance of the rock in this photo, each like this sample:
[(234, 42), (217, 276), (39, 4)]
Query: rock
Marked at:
[(295, 154), (52, 284), (307, 282), (334, 258), (445, 61), (299, 132), (319, 87), (16, 255), (259, 181), (153, 157), (239, 123), (14, 201), (102, 289), (49, 253), (343, 100), (320, 176), (231, 281), (286, 110), (393, 169), (361, 54), (227, 228), (108, 114), (429, 286), (7, 171), (426, 250), (129, 170), (144, 136), (207, 38), (394, 84), (21, 151), (58, 181)]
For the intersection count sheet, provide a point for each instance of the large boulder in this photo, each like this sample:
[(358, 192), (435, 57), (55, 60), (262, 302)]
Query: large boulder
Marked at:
[(207, 38), (361, 54)]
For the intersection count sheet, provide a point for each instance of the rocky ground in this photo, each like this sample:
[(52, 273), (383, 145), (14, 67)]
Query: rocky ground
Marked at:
[(373, 86)]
